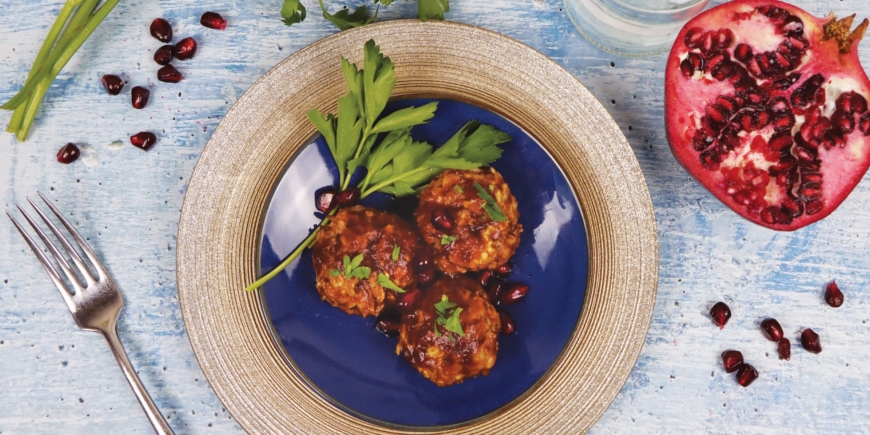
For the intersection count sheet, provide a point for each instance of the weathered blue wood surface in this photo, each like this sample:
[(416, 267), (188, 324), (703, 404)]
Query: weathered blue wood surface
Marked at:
[(55, 378)]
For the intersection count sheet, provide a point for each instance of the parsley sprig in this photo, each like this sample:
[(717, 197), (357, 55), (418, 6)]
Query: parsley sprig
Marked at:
[(385, 281), (490, 206), (448, 317), (397, 164)]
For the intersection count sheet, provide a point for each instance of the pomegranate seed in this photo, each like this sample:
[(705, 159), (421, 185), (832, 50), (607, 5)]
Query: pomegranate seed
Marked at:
[(771, 329), (746, 375), (161, 30), (424, 265), (164, 54), (185, 49), (140, 97), (833, 295), (720, 314), (169, 74), (144, 140), (483, 277), (514, 293), (407, 302), (810, 341), (732, 360), (112, 83), (495, 290), (507, 322), (504, 270), (425, 276), (389, 321), (213, 20), (442, 219), (349, 197), (784, 349), (326, 199), (68, 153)]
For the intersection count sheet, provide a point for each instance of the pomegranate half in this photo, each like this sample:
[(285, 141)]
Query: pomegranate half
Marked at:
[(766, 106)]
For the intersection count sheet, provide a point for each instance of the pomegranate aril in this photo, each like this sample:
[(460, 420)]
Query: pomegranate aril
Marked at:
[(786, 82), (731, 360), (161, 30), (513, 293), (425, 276), (389, 321), (68, 153), (694, 37), (442, 219), (504, 270), (720, 314), (743, 52), (810, 341), (864, 124), (771, 329), (144, 140), (185, 49), (407, 302), (139, 97), (495, 290), (169, 74), (483, 277), (746, 375), (213, 20), (784, 348), (814, 207), (164, 54), (424, 265), (833, 295), (349, 197), (326, 199), (724, 38), (112, 83), (507, 322), (687, 68), (793, 26)]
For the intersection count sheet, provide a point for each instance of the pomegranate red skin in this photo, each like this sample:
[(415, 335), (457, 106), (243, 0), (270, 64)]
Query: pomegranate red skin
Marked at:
[(825, 57)]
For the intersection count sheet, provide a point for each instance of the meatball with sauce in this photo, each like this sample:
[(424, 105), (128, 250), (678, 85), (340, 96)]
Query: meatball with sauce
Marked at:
[(454, 220), (387, 245), (459, 346)]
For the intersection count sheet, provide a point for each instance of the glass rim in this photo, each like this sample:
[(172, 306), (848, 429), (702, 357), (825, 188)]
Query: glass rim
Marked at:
[(697, 3)]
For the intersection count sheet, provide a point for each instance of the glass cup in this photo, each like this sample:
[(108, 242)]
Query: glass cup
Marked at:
[(632, 27)]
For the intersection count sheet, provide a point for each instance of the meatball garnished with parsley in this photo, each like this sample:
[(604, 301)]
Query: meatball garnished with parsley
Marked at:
[(470, 218), (362, 259), (452, 334)]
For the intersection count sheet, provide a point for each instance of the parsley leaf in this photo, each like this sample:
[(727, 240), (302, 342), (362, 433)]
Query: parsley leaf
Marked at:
[(395, 252), (385, 281), (458, 189), (292, 12), (352, 268), (448, 317), (490, 207), (432, 9), (345, 19), (446, 240)]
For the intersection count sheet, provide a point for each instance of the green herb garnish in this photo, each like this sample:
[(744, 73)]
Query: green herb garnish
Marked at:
[(345, 19), (335, 272), (490, 206), (292, 12), (60, 45), (448, 317), (446, 240), (352, 268), (397, 165), (395, 252), (385, 281), (458, 189)]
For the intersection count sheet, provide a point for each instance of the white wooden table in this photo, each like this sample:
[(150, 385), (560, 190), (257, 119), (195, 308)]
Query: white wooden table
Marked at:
[(55, 378)]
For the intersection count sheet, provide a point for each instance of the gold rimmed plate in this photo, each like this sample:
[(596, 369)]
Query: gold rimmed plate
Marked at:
[(221, 231)]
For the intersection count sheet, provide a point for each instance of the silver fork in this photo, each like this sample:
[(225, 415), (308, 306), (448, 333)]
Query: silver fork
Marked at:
[(94, 306)]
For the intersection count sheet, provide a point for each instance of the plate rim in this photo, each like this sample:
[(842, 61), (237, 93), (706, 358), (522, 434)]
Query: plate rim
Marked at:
[(219, 228)]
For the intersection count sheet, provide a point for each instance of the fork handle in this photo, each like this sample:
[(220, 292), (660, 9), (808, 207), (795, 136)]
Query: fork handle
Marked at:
[(154, 416)]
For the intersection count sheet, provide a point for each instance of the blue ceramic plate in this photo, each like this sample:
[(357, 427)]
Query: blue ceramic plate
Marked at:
[(354, 366)]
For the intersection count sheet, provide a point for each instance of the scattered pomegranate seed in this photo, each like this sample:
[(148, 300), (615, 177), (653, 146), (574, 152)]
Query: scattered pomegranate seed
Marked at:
[(112, 83), (810, 341), (68, 153), (833, 295), (442, 219), (746, 375), (185, 49), (771, 329), (513, 293), (507, 322), (784, 349), (169, 74), (731, 360), (164, 54), (140, 97), (495, 290), (161, 30), (424, 265), (144, 140), (326, 199), (213, 20), (407, 302), (720, 314), (349, 197), (389, 321), (483, 277), (504, 270)]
